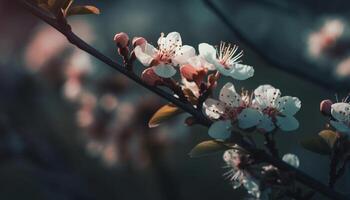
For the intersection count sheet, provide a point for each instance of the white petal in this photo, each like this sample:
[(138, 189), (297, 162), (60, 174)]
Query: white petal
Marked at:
[(145, 53), (229, 96), (171, 41), (213, 108), (220, 130), (265, 96), (288, 123), (248, 118), (165, 71), (207, 51), (183, 54), (266, 124), (199, 62), (238, 71), (291, 159), (341, 111), (288, 105), (174, 37), (340, 126)]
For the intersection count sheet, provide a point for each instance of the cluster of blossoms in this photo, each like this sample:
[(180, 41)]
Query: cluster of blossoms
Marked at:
[(265, 109)]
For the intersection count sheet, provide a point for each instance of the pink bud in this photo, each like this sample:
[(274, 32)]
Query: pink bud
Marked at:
[(325, 107), (191, 73), (150, 77), (136, 41), (121, 39)]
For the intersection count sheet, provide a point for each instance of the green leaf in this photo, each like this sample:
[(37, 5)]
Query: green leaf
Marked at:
[(316, 144), (208, 147), (82, 10), (163, 114), (329, 137)]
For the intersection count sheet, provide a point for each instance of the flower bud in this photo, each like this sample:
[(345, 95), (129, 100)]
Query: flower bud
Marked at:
[(151, 78), (326, 106), (121, 39), (136, 41)]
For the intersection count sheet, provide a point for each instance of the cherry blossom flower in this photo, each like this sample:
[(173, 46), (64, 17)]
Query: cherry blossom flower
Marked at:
[(238, 175), (226, 61), (277, 111), (170, 53), (341, 117), (230, 108)]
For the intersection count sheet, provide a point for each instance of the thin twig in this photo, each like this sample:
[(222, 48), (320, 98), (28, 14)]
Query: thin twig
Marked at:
[(261, 155)]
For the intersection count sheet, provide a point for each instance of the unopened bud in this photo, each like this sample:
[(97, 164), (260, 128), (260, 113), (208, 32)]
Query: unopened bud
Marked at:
[(151, 78), (326, 107), (121, 39), (136, 41)]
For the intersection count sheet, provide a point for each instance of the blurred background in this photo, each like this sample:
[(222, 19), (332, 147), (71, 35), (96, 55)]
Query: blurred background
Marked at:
[(71, 128)]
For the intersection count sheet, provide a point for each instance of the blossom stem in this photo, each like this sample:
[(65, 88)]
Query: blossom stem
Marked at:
[(270, 144), (64, 28)]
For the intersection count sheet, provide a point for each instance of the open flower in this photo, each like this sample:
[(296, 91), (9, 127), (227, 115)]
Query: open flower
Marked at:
[(231, 108), (169, 53), (226, 61), (341, 117), (238, 175), (277, 111)]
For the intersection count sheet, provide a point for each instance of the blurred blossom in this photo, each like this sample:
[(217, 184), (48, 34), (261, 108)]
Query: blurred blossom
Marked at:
[(325, 37), (108, 102), (48, 43), (72, 89), (343, 68)]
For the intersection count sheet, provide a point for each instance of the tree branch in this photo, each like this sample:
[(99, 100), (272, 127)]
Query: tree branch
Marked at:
[(186, 106)]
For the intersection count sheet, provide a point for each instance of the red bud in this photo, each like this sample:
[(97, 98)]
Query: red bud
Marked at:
[(121, 39), (325, 107)]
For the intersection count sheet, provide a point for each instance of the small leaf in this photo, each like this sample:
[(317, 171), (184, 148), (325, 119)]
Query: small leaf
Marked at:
[(207, 147), (329, 137), (163, 114), (83, 10), (316, 144)]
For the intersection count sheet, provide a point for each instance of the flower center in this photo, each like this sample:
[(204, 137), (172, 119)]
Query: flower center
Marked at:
[(226, 54), (168, 49)]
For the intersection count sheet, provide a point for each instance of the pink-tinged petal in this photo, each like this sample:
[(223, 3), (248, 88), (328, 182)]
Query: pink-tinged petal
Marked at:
[(191, 73), (150, 77), (229, 95), (145, 53), (164, 71), (220, 130), (213, 109)]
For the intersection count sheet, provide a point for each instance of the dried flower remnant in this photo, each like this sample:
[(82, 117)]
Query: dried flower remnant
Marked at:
[(226, 61), (170, 53), (239, 175)]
